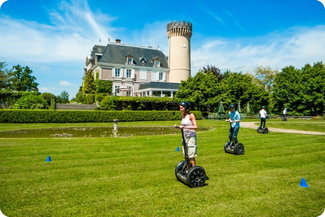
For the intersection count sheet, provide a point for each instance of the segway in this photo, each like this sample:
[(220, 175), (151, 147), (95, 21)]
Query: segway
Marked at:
[(262, 130), (284, 118), (234, 148), (195, 176)]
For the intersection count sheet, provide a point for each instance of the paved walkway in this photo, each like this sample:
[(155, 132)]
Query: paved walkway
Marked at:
[(253, 125)]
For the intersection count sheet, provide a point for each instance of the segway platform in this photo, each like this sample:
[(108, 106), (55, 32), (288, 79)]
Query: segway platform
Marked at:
[(234, 148), (193, 177), (262, 130)]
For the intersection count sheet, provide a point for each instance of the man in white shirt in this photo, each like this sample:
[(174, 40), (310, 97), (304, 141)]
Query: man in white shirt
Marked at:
[(263, 115)]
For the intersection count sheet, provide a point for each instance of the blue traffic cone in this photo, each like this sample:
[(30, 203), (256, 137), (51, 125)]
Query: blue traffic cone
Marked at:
[(177, 149), (303, 183), (48, 159)]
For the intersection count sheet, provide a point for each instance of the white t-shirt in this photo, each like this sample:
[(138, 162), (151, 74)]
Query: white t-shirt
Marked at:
[(263, 113)]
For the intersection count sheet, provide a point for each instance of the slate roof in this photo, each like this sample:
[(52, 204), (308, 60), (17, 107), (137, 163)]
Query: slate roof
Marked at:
[(115, 53)]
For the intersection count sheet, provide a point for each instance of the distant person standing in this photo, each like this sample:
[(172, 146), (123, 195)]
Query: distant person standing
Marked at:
[(263, 115), (284, 112)]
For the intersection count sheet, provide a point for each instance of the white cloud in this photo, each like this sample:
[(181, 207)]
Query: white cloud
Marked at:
[(46, 89), (70, 36), (65, 83), (295, 47)]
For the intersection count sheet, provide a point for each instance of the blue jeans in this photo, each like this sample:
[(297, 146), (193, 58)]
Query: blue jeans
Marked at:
[(233, 132)]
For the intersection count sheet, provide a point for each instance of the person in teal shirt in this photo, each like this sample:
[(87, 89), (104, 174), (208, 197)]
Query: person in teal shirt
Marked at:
[(234, 119)]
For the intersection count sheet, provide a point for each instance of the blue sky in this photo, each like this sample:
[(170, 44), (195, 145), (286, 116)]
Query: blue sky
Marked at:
[(53, 37)]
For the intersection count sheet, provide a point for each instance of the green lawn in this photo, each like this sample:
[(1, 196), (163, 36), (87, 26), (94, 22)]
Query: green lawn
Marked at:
[(299, 125), (134, 176)]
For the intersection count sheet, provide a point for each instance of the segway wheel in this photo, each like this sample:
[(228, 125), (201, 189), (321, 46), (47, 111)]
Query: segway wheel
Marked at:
[(196, 177), (179, 167), (226, 146), (239, 149), (265, 130), (258, 130), (284, 119)]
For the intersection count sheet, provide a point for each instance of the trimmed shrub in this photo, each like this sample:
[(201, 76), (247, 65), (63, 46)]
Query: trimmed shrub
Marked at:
[(65, 116), (31, 102)]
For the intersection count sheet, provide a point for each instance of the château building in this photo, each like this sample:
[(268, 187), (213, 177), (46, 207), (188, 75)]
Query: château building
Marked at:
[(144, 71)]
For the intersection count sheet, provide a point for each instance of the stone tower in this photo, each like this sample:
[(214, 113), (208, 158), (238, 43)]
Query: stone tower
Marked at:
[(179, 47)]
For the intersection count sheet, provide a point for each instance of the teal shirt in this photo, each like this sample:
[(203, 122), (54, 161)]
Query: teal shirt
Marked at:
[(234, 116)]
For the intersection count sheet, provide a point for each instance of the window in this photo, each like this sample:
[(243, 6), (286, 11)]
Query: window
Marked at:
[(143, 74), (117, 89), (161, 76), (157, 63), (129, 60), (117, 73), (128, 73), (129, 92), (154, 76)]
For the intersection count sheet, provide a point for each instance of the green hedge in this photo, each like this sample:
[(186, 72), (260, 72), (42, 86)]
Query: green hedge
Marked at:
[(68, 116)]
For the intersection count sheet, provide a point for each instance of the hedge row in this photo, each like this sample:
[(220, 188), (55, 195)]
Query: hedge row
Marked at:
[(68, 116)]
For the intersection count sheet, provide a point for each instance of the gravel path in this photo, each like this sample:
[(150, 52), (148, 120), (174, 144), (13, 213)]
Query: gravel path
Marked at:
[(253, 125)]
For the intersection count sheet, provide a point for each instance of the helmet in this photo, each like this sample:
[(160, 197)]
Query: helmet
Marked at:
[(185, 104), (263, 107), (231, 106)]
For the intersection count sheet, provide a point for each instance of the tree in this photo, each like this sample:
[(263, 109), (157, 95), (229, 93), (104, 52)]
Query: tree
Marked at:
[(200, 90), (265, 77), (103, 86), (302, 91), (313, 93), (215, 71), (63, 97), (89, 86), (237, 87), (4, 74), (206, 91), (21, 79)]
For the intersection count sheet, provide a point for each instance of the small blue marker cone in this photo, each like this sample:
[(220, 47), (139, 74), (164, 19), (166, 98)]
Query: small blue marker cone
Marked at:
[(48, 159), (177, 149), (303, 183)]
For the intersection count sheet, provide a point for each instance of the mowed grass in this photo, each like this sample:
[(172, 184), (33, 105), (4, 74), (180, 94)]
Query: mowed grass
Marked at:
[(308, 125), (134, 176)]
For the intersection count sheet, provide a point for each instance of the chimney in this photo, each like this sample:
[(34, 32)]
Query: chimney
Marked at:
[(118, 41)]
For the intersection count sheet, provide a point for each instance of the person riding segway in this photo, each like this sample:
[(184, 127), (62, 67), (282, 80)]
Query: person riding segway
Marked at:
[(233, 146), (187, 171), (263, 116), (284, 113)]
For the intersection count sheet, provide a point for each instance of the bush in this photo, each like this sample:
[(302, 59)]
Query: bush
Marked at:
[(31, 102), (48, 97), (9, 98), (90, 98), (108, 103), (65, 116)]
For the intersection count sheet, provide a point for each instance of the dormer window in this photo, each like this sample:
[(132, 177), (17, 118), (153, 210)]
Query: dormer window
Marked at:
[(156, 62), (129, 59)]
